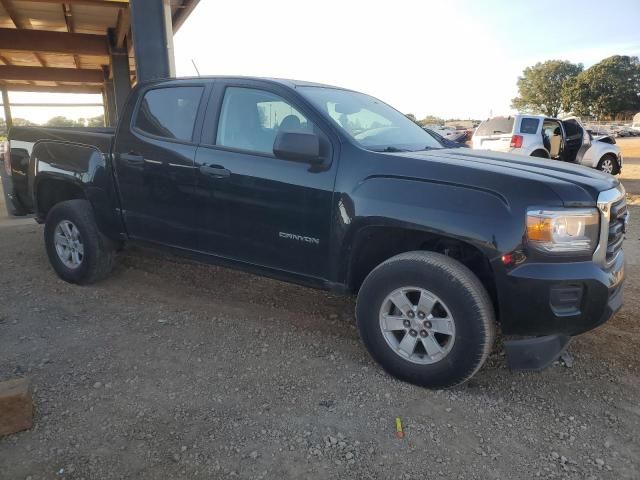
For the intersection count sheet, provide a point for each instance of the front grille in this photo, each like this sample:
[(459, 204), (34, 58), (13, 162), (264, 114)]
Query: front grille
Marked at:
[(617, 225)]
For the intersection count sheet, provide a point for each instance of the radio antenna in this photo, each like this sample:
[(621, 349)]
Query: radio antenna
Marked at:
[(195, 66)]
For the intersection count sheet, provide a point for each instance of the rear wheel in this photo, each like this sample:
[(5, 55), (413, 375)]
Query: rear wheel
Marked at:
[(77, 251), (609, 164), (540, 154), (426, 319)]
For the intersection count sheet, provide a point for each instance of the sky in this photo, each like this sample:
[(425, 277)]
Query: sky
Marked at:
[(452, 59)]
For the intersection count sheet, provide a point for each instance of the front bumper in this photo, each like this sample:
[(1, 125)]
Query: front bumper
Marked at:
[(540, 299)]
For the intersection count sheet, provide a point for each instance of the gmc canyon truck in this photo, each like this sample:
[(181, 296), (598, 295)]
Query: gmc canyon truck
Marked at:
[(334, 189)]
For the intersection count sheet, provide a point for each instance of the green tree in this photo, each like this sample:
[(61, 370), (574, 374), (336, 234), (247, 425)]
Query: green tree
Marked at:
[(61, 121), (95, 121), (541, 87), (608, 88), (431, 120)]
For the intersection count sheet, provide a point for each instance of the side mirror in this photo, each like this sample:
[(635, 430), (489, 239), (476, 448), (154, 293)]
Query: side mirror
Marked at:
[(298, 147)]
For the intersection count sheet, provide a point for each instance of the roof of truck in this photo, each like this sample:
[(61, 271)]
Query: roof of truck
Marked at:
[(291, 83)]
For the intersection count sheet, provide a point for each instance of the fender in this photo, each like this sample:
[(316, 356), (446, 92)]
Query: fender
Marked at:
[(86, 168), (473, 215)]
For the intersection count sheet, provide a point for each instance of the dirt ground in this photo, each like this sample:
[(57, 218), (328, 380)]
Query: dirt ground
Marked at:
[(173, 370)]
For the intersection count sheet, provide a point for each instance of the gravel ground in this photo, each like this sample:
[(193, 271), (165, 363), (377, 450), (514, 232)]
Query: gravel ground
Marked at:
[(173, 370)]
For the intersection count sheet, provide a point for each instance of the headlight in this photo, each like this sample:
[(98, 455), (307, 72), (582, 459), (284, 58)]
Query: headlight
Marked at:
[(563, 230)]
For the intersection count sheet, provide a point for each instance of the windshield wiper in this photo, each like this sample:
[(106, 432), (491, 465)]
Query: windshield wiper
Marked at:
[(391, 149)]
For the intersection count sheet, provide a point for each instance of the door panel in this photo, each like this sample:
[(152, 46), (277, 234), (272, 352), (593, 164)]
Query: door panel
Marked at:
[(154, 160), (267, 212), (574, 140), (257, 208)]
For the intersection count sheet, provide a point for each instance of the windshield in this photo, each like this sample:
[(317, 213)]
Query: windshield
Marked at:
[(370, 122)]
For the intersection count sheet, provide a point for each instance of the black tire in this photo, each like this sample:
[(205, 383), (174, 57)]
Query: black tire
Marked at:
[(459, 289), (614, 160), (540, 154), (97, 260)]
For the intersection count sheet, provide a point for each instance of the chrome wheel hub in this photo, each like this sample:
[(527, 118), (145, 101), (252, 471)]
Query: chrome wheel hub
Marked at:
[(68, 244), (607, 166), (417, 325)]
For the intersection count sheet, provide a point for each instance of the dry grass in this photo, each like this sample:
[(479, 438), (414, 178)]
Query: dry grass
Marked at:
[(630, 147)]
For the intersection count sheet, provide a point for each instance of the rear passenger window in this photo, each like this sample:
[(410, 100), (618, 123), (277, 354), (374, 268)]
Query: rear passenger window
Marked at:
[(169, 112), (529, 125)]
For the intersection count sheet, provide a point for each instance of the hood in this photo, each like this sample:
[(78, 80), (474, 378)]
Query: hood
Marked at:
[(574, 184)]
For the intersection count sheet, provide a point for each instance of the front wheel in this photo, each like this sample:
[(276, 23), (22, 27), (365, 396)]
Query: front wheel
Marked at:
[(77, 251), (426, 319), (609, 164)]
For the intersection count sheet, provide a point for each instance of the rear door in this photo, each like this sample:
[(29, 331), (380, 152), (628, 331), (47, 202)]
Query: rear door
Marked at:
[(154, 162), (255, 207), (494, 134)]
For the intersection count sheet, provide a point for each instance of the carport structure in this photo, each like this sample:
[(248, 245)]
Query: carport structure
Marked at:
[(87, 46)]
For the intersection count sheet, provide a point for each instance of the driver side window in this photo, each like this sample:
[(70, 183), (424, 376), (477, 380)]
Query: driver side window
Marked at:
[(250, 120)]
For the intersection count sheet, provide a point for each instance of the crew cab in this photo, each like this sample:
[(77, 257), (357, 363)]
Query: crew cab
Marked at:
[(540, 136), (336, 190)]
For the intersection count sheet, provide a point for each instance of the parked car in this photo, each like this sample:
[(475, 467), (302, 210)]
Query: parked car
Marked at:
[(336, 190), (635, 125), (453, 134), (540, 136), (445, 142)]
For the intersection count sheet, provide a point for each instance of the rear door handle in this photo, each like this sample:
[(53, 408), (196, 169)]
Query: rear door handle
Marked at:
[(215, 171), (132, 158)]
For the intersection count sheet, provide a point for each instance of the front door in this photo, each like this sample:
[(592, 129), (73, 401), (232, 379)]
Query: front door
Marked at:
[(576, 141), (154, 160), (258, 208)]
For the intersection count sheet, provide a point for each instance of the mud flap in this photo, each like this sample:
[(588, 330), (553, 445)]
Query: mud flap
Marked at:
[(535, 353)]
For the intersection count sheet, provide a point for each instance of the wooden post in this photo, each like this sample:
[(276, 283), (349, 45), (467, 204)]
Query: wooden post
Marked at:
[(7, 108), (16, 406)]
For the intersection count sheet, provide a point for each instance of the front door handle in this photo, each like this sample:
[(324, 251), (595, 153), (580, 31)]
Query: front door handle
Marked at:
[(132, 158), (215, 171)]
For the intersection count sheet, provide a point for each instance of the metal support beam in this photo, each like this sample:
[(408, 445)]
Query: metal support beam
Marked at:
[(49, 74), (53, 42), (119, 72), (7, 108), (152, 39)]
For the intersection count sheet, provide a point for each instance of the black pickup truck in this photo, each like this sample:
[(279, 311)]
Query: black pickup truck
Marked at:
[(334, 189)]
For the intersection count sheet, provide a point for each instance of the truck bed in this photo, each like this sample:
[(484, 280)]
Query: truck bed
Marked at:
[(21, 142)]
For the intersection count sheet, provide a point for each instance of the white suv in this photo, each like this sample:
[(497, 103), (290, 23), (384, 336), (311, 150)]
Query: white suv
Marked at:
[(540, 136)]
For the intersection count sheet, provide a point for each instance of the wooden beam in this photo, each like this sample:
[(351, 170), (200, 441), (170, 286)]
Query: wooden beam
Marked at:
[(22, 23), (122, 27), (53, 105), (53, 42), (13, 87), (93, 3), (183, 13), (68, 20), (7, 108), (49, 74), (17, 20)]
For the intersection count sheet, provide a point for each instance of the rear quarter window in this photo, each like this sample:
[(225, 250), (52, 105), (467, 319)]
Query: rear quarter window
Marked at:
[(496, 126), (529, 125)]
